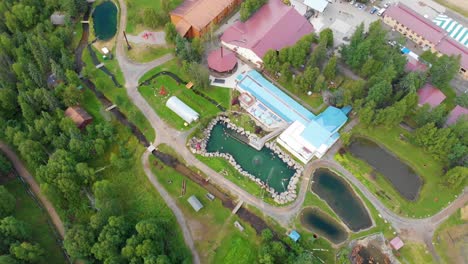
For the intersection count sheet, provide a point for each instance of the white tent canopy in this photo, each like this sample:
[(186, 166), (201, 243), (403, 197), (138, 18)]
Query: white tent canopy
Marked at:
[(318, 5), (182, 110)]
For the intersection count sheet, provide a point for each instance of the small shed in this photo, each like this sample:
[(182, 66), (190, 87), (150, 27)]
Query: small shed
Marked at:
[(182, 110), (396, 243), (58, 19), (195, 203), (80, 117), (294, 235)]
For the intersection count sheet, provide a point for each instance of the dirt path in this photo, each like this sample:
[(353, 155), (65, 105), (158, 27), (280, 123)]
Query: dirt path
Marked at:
[(420, 230), (132, 72), (171, 204), (23, 173)]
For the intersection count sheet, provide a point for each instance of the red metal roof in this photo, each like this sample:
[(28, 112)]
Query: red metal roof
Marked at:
[(273, 26), (430, 31), (200, 13), (414, 21), (396, 243), (415, 65), (222, 60), (430, 95), (450, 46), (455, 114)]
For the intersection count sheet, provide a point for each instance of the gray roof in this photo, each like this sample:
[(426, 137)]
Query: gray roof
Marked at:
[(195, 203), (57, 18)]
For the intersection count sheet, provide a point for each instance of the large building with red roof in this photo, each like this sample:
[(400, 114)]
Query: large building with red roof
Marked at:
[(425, 33), (273, 26), (193, 18), (429, 94)]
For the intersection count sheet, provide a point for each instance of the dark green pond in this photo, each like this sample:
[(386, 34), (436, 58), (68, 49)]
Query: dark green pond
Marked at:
[(400, 175), (341, 198), (263, 164), (105, 20), (322, 224)]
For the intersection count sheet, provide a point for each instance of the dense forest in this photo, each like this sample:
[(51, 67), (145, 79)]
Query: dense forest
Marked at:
[(59, 154)]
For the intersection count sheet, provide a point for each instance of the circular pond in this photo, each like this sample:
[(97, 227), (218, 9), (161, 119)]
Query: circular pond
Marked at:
[(322, 224), (105, 20), (339, 195)]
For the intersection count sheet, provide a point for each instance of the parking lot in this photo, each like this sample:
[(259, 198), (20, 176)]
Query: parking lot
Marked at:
[(343, 18)]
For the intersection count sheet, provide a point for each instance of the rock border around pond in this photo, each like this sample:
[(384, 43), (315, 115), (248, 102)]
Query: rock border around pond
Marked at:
[(198, 146)]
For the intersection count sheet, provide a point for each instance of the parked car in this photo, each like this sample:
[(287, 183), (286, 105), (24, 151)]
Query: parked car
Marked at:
[(356, 5), (361, 6), (373, 10), (386, 5)]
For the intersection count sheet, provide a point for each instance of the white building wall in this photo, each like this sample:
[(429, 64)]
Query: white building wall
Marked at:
[(247, 54)]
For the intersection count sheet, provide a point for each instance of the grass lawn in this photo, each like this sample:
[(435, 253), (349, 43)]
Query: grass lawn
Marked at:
[(118, 96), (77, 32), (433, 195), (135, 9), (201, 105), (138, 198), (413, 253), (29, 211), (448, 238), (146, 53), (216, 238)]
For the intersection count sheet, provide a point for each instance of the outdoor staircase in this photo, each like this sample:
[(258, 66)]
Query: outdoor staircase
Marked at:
[(259, 143)]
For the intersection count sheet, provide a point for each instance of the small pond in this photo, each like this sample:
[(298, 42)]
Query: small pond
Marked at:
[(322, 224), (400, 175), (341, 198), (263, 164), (105, 20)]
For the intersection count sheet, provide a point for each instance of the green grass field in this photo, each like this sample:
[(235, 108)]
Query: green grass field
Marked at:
[(146, 53), (118, 96), (28, 210), (413, 253), (138, 198), (433, 195), (448, 238), (135, 10), (206, 109), (217, 240)]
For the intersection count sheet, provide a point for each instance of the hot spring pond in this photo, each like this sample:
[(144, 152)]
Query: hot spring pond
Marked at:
[(105, 20), (322, 224), (400, 175), (263, 164), (341, 198)]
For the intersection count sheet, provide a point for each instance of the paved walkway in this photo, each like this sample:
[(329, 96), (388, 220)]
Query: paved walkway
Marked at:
[(132, 72), (24, 173), (413, 229)]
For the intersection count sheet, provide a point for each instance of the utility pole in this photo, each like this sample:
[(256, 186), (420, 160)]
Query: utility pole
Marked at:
[(128, 44)]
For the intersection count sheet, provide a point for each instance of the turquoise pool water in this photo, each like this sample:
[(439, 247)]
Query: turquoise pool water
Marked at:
[(341, 198), (105, 20), (263, 164)]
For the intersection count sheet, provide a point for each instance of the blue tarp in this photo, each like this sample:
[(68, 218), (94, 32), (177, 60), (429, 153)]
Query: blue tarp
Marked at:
[(405, 50), (294, 235)]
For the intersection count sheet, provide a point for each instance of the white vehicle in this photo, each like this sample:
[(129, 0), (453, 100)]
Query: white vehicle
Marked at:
[(381, 11)]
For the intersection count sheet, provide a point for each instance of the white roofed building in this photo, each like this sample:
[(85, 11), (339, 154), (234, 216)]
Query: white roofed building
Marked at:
[(317, 5), (182, 110)]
